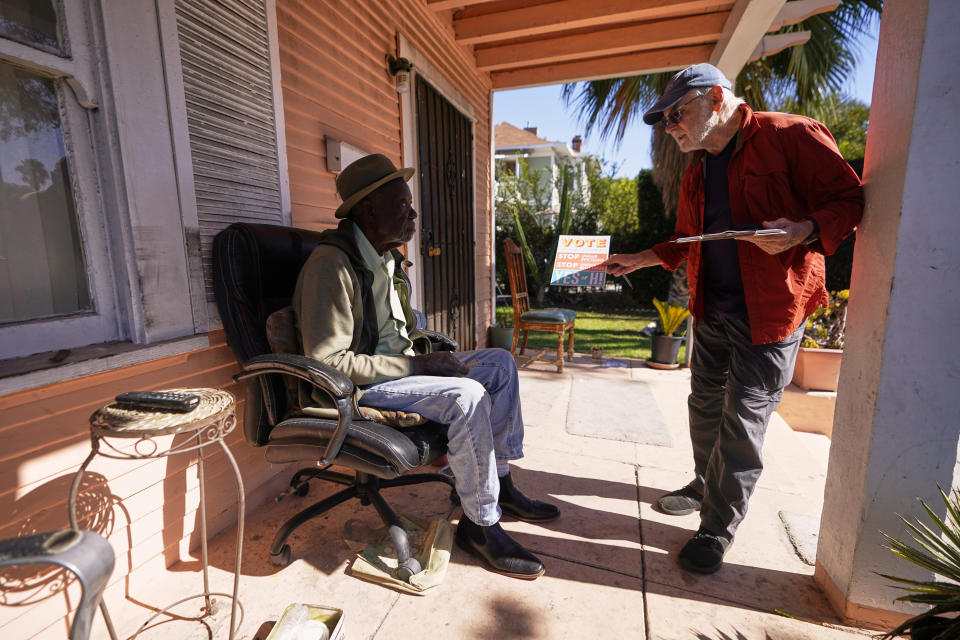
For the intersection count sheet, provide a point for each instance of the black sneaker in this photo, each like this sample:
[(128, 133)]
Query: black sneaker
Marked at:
[(680, 502), (703, 553)]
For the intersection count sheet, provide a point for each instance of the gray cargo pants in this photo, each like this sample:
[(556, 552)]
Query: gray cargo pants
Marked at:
[(734, 388)]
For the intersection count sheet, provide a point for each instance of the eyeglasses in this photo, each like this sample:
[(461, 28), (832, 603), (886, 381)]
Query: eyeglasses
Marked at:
[(677, 115)]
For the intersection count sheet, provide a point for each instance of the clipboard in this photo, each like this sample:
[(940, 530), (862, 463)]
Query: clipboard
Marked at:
[(730, 233)]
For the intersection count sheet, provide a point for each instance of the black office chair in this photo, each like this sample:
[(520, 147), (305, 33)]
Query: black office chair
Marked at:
[(255, 268)]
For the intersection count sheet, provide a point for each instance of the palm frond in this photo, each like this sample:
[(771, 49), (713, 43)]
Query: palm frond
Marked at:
[(806, 75), (941, 555), (668, 165), (610, 105), (936, 629)]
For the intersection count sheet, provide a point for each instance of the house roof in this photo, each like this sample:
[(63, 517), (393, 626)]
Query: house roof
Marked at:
[(524, 43), (507, 136)]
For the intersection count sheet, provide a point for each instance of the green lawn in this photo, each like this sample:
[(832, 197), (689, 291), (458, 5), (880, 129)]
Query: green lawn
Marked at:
[(617, 333)]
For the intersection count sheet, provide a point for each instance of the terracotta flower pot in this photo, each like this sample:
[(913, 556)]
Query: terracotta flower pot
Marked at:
[(817, 369)]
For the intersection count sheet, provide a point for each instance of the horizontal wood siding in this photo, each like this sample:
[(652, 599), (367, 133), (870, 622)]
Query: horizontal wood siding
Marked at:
[(150, 513), (336, 85)]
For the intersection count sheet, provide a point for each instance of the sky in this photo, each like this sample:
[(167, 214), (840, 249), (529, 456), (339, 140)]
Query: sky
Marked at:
[(542, 107)]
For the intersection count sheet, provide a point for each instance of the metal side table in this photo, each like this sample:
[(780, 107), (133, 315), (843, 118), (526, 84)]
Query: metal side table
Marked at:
[(210, 422)]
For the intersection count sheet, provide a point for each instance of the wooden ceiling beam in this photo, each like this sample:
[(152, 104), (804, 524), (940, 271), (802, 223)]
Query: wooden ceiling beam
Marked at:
[(660, 34), (748, 22), (440, 5), (563, 15), (799, 10), (770, 45), (607, 67)]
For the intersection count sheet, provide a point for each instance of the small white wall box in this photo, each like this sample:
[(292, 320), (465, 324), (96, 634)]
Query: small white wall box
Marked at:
[(308, 621), (340, 154)]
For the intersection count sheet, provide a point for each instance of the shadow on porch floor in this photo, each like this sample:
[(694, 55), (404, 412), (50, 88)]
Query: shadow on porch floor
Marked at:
[(610, 558)]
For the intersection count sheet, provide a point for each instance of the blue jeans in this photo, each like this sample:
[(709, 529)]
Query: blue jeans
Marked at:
[(483, 414)]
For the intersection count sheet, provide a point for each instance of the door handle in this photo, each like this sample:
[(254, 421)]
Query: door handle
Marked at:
[(429, 248)]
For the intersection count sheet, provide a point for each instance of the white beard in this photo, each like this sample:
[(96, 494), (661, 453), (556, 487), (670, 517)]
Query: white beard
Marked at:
[(696, 137)]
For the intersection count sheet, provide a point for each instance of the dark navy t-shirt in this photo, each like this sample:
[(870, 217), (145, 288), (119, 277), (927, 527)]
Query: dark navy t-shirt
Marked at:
[(720, 265)]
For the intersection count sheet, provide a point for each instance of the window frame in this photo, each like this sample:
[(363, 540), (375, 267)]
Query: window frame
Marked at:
[(72, 74), (122, 86)]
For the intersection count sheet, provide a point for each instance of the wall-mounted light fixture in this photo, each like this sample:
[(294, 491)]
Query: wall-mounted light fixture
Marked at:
[(400, 69)]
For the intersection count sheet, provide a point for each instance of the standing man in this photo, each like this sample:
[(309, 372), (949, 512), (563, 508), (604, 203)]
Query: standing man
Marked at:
[(353, 313), (749, 297)]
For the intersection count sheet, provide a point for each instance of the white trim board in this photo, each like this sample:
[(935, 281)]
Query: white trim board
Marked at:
[(411, 155)]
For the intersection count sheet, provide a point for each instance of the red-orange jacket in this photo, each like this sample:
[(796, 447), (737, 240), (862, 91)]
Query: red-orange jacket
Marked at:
[(783, 166)]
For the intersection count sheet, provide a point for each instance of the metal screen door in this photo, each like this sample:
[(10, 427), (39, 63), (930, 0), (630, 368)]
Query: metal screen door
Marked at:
[(447, 246)]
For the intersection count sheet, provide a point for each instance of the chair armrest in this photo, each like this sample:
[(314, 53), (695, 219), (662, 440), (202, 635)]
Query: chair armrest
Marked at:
[(440, 341), (313, 371), (320, 375)]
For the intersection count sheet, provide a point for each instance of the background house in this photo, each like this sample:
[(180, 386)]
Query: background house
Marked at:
[(543, 157)]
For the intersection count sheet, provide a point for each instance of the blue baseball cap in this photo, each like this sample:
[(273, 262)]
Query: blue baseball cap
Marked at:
[(695, 76)]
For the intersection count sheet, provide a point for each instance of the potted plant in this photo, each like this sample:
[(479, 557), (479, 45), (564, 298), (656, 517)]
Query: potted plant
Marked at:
[(937, 550), (664, 346), (501, 331), (818, 361)]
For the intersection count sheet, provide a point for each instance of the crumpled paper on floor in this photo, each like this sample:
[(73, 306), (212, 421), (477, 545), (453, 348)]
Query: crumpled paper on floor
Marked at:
[(377, 558)]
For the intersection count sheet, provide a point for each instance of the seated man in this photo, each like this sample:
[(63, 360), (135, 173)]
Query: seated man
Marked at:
[(353, 313)]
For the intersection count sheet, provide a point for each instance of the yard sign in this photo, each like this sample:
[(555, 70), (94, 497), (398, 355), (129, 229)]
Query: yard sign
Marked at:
[(577, 257)]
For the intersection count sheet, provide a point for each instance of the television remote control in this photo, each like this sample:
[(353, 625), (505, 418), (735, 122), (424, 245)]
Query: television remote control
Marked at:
[(158, 401)]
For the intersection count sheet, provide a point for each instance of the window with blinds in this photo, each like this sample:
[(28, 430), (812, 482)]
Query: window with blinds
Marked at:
[(225, 54)]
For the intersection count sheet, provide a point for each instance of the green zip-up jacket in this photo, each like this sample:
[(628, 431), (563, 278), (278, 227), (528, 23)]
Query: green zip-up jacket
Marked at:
[(336, 315)]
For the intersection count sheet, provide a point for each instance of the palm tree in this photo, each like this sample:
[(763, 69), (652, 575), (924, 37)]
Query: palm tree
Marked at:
[(807, 77)]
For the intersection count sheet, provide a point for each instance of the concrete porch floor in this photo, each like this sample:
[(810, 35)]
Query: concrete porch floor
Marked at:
[(610, 559)]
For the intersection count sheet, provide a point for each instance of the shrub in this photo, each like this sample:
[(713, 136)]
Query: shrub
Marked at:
[(653, 226), (504, 317), (826, 326), (937, 550)]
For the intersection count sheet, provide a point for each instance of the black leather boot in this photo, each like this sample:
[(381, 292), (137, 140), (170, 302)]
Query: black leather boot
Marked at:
[(497, 550), (514, 503)]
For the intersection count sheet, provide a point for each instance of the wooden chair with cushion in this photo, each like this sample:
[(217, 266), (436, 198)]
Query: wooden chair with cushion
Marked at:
[(526, 320)]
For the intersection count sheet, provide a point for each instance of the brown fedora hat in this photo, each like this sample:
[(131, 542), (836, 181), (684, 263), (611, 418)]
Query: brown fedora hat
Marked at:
[(364, 176)]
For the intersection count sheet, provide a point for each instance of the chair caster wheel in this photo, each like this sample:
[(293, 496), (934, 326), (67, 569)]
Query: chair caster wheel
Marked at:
[(454, 498), (407, 569), (282, 558)]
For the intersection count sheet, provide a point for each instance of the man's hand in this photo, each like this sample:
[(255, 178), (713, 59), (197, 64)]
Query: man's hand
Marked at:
[(439, 363), (797, 232), (622, 263)]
